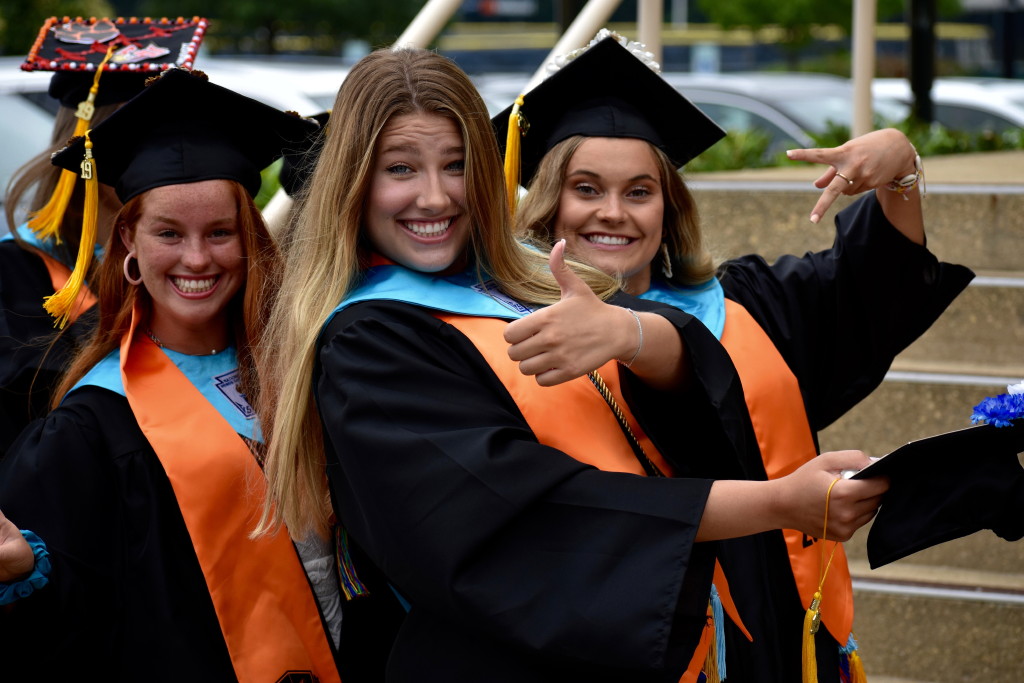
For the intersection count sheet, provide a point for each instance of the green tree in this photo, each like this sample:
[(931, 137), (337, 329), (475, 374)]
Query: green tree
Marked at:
[(320, 25), (20, 20), (797, 19)]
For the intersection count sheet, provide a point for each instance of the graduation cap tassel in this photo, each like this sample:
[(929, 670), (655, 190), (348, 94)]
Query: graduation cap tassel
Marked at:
[(853, 668), (812, 618), (517, 127), (62, 302), (45, 222), (351, 586), (718, 614)]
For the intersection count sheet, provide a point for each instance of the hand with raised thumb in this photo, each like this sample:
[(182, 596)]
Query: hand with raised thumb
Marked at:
[(578, 334)]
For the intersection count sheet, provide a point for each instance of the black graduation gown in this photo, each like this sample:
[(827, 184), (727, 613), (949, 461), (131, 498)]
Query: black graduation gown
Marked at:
[(29, 368), (838, 318), (521, 563), (127, 599)]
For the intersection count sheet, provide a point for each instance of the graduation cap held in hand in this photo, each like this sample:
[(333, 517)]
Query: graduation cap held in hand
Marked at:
[(948, 486)]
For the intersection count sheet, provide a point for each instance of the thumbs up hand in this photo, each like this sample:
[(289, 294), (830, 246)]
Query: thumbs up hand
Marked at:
[(578, 334)]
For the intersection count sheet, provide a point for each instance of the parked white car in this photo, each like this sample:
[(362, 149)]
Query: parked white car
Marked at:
[(965, 104)]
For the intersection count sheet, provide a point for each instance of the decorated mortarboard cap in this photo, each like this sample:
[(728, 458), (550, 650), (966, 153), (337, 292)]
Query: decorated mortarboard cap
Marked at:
[(180, 129), (948, 486), (103, 61), (606, 91), (75, 49), (183, 129)]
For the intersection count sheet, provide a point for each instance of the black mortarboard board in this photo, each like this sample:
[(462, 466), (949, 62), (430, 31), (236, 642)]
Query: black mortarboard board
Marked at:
[(608, 92), (948, 486), (183, 129), (75, 48), (298, 163)]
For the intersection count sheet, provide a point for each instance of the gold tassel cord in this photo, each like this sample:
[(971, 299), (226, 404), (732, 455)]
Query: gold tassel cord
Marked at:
[(61, 304), (46, 222), (812, 618), (517, 127)]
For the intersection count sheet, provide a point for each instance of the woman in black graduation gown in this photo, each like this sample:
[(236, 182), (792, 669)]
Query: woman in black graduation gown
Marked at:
[(447, 450), (140, 487), (37, 255), (810, 336)]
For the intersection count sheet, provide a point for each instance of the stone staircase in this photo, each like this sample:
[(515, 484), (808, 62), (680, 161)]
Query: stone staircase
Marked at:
[(954, 612)]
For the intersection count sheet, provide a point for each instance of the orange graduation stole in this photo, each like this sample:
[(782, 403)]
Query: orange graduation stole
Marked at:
[(260, 592), (583, 427), (59, 275), (784, 436)]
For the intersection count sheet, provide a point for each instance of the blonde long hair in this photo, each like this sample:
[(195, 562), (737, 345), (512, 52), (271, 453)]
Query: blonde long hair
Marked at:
[(323, 256), (692, 263)]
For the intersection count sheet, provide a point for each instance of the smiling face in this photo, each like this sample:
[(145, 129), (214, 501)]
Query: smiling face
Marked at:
[(611, 208), (415, 212), (191, 259)]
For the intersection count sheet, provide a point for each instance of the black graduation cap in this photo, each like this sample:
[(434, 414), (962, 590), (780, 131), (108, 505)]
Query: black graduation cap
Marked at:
[(948, 486), (298, 163), (183, 128), (608, 92), (75, 49), (180, 129)]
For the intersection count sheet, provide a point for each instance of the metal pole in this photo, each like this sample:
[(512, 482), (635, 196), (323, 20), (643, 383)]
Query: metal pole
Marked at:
[(427, 23), (648, 25), (922, 57), (591, 18), (864, 13)]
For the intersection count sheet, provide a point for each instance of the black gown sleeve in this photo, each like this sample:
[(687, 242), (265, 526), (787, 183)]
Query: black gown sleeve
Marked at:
[(437, 475), (840, 316), (126, 598), (30, 367)]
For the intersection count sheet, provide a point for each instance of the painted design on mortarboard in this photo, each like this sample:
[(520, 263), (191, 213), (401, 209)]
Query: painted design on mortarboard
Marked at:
[(136, 40)]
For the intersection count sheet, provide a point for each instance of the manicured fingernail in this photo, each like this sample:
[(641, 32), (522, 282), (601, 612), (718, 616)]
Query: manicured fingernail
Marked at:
[(789, 153), (815, 218)]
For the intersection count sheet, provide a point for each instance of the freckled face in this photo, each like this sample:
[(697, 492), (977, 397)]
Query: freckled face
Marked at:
[(611, 208), (189, 252), (415, 212)]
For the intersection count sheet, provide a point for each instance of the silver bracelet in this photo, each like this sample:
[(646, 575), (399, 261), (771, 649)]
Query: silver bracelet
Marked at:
[(640, 344)]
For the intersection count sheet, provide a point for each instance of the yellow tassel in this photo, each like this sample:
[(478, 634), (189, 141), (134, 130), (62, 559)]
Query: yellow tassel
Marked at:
[(517, 127), (812, 620), (61, 304), (45, 222), (857, 674), (711, 664)]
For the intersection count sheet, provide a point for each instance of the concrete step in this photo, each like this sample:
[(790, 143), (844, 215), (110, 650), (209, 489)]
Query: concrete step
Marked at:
[(943, 637), (909, 406), (982, 229), (981, 333)]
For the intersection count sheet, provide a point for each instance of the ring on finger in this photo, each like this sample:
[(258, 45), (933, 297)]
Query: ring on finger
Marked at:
[(848, 181)]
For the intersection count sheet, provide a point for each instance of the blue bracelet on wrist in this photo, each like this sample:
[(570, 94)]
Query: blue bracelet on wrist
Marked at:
[(9, 592)]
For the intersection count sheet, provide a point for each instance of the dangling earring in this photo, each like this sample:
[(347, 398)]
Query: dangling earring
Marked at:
[(127, 275), (666, 262)]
